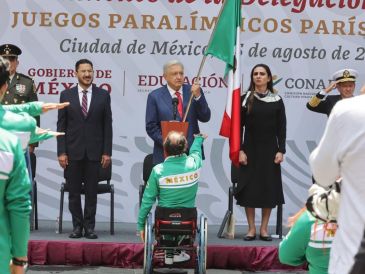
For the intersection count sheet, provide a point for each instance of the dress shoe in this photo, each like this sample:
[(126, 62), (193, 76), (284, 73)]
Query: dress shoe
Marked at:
[(90, 234), (76, 233), (249, 238), (266, 238)]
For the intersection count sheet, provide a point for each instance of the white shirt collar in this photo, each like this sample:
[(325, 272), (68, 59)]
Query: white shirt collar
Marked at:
[(80, 89), (11, 77), (172, 91)]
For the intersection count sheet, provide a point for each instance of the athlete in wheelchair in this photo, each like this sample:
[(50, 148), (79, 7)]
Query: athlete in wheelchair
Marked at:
[(175, 183)]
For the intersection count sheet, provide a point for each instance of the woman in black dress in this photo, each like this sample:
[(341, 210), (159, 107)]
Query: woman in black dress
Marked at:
[(262, 150)]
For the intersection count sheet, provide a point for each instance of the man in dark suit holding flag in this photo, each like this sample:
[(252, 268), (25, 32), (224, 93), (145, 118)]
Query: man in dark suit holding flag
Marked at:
[(160, 107)]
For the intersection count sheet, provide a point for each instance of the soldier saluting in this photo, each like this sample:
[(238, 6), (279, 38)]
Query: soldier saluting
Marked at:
[(344, 80), (21, 88)]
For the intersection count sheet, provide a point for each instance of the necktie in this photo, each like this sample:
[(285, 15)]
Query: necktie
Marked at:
[(180, 105), (84, 103)]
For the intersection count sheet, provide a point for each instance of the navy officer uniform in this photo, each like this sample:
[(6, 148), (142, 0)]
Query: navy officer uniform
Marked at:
[(323, 103), (344, 80)]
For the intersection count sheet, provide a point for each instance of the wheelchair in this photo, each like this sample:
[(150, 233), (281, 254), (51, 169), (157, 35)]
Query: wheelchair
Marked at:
[(179, 224)]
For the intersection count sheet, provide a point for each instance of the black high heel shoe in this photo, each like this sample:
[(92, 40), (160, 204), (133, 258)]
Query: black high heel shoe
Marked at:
[(249, 238), (265, 238)]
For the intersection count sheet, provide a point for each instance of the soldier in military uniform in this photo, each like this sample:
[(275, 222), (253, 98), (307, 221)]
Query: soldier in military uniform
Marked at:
[(21, 88), (344, 80)]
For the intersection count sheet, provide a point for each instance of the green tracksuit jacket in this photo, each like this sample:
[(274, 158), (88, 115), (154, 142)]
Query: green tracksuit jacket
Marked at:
[(15, 204), (174, 182), (308, 241), (17, 119)]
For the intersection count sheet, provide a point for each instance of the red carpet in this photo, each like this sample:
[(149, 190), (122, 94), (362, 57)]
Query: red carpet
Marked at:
[(130, 255)]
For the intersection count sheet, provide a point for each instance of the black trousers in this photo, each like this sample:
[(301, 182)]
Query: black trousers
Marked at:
[(33, 163), (83, 173)]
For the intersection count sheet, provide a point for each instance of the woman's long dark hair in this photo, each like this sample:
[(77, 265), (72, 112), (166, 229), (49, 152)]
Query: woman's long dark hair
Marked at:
[(252, 85), (4, 71)]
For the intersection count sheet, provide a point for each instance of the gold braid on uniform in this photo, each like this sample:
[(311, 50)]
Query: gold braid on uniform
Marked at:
[(314, 101)]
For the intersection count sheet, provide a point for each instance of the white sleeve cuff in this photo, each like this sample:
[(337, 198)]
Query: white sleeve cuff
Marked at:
[(322, 92)]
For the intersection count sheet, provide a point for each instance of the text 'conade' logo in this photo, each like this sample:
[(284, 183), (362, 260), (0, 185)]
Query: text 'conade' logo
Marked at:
[(300, 83), (299, 88)]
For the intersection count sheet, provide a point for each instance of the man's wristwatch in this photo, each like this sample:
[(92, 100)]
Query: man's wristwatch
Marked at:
[(19, 262)]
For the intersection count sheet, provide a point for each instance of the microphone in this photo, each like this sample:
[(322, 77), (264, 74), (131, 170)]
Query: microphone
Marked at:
[(175, 102)]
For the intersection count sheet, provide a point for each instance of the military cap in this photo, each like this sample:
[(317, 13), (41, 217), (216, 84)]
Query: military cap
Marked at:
[(345, 75), (9, 50)]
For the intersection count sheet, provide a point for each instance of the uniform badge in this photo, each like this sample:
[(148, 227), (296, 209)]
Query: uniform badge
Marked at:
[(346, 74), (20, 89)]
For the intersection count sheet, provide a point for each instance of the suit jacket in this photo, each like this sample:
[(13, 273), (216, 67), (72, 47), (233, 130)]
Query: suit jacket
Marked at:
[(159, 108), (90, 136)]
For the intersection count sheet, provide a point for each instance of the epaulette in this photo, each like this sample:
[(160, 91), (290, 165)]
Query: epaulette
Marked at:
[(25, 76)]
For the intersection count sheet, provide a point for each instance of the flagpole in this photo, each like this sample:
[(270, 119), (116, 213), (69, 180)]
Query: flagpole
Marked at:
[(203, 60)]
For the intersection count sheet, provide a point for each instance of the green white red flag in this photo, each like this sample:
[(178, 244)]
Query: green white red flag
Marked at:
[(225, 45)]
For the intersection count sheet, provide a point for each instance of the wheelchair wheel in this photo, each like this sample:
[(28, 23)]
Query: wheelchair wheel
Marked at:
[(201, 266), (148, 247)]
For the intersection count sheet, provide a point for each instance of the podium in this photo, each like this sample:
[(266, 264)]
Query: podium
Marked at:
[(167, 126)]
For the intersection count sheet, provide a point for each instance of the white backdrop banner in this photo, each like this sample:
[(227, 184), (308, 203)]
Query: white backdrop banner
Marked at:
[(303, 41)]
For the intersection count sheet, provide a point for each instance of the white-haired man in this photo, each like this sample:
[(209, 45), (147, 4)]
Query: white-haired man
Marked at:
[(160, 107)]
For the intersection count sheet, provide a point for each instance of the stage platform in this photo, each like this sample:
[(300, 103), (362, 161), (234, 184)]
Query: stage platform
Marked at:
[(124, 249)]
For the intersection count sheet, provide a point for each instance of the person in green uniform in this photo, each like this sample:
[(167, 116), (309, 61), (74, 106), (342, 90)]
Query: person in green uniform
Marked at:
[(312, 231), (17, 119), (165, 181), (21, 89), (15, 204), (24, 126)]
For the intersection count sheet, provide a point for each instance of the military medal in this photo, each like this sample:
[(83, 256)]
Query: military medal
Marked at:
[(20, 88)]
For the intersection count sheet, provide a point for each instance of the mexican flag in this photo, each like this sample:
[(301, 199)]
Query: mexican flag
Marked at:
[(225, 45)]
